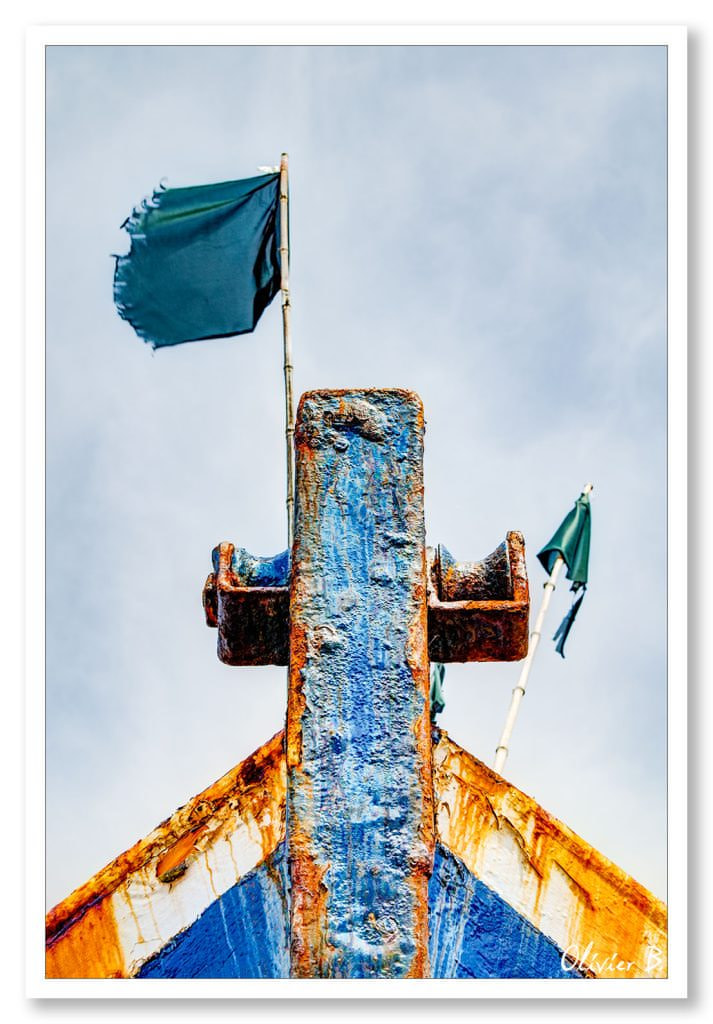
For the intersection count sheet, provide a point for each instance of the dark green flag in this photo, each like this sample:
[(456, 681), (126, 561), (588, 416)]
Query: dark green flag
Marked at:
[(204, 261), (571, 541), (438, 701)]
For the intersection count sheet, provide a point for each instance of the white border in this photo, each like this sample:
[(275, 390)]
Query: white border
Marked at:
[(358, 35), (677, 490), (34, 507), (674, 37)]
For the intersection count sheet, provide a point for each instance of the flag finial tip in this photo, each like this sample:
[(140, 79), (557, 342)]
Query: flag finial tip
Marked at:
[(588, 488)]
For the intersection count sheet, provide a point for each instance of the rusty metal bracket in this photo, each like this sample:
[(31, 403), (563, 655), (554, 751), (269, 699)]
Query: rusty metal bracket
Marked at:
[(253, 622), (477, 611)]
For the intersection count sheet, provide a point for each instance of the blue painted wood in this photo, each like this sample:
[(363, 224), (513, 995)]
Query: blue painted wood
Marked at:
[(243, 934), (255, 570), (473, 932), (476, 934), (360, 825)]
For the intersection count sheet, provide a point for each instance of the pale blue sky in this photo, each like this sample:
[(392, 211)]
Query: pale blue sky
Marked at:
[(485, 225)]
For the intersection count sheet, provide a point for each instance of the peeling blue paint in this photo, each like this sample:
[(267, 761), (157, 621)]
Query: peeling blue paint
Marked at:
[(473, 932), (476, 934), (255, 570), (357, 799), (243, 934)]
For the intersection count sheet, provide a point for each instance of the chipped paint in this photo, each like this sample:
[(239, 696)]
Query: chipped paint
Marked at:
[(566, 889), (242, 934), (476, 934), (360, 835), (128, 911), (175, 862)]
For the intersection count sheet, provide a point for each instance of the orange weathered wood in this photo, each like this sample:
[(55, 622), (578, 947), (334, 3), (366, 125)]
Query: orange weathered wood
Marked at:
[(90, 949), (567, 889), (82, 935)]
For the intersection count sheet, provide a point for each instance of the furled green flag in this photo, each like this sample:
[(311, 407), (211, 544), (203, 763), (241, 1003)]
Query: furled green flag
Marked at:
[(571, 541), (438, 701), (204, 261)]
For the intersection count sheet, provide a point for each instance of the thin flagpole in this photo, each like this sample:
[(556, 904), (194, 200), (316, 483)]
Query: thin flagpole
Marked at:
[(502, 749), (287, 346)]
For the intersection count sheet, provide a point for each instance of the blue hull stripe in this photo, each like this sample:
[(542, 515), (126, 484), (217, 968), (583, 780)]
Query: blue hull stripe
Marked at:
[(476, 934), (243, 934), (473, 932)]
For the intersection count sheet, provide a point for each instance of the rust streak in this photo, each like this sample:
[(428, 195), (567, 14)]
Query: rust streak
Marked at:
[(308, 910), (613, 911), (296, 702), (229, 792)]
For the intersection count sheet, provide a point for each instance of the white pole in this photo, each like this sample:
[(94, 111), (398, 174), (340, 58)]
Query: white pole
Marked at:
[(287, 346), (501, 751)]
